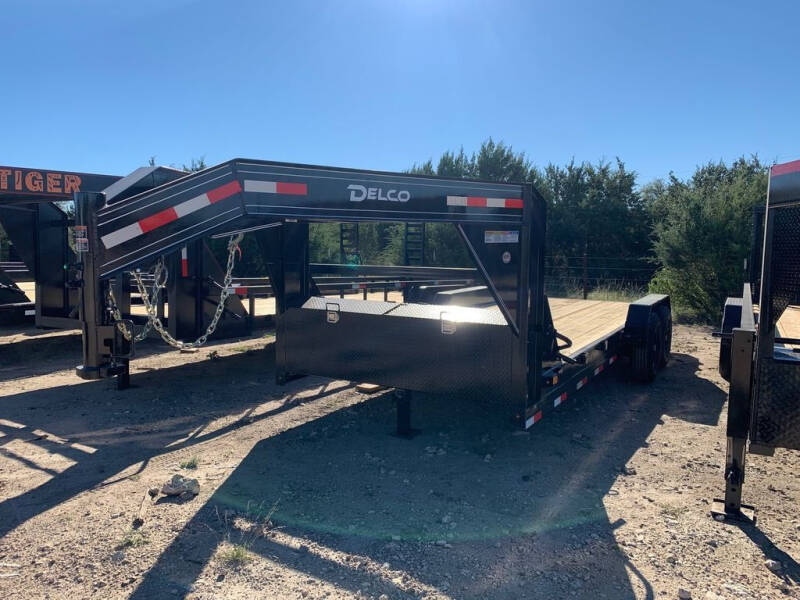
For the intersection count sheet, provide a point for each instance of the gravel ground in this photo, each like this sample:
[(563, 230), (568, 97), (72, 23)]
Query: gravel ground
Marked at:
[(304, 492)]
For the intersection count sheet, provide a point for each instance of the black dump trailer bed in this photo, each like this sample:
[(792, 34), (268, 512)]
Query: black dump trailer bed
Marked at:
[(760, 341), (504, 345)]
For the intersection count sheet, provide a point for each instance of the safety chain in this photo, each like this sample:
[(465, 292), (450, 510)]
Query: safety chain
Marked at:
[(150, 301)]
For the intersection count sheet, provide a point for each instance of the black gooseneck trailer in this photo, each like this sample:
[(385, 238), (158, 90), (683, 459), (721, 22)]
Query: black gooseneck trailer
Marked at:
[(496, 339), (759, 347)]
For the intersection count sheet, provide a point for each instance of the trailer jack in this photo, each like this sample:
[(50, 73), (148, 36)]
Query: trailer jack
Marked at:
[(403, 401)]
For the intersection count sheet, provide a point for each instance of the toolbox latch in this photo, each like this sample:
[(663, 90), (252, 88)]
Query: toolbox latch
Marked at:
[(332, 313)]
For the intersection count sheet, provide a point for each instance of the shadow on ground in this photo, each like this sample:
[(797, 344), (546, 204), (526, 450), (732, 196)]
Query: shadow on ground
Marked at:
[(124, 428), (469, 506)]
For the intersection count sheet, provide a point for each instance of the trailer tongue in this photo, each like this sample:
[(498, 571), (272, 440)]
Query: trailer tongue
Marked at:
[(507, 350)]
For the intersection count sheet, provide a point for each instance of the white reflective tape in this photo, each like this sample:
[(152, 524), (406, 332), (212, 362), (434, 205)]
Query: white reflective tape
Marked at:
[(120, 236), (528, 422), (265, 187), (556, 401), (191, 205), (496, 202), (28, 313), (184, 253), (454, 200)]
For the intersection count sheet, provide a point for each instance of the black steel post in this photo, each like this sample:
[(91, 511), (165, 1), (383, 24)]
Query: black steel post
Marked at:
[(403, 402), (91, 299)]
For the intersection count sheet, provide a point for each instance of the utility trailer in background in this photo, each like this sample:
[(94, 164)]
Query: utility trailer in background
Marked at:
[(504, 340), (37, 227), (760, 345)]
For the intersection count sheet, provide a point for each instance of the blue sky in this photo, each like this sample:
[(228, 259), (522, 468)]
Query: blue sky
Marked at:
[(665, 85)]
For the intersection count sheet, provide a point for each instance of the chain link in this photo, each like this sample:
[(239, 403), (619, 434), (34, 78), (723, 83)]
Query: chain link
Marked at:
[(150, 301)]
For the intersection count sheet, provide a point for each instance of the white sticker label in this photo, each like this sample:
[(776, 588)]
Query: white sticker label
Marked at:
[(501, 237)]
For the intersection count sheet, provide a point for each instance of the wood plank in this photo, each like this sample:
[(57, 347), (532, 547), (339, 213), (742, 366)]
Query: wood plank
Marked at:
[(369, 388), (586, 322)]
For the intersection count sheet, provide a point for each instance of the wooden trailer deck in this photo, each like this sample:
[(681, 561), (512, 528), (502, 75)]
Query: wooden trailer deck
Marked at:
[(586, 322), (789, 324)]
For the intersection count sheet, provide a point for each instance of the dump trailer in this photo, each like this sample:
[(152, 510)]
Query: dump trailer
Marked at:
[(520, 348), (760, 341)]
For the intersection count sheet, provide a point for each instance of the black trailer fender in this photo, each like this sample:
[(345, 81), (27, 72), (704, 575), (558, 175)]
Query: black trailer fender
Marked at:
[(647, 337), (731, 319)]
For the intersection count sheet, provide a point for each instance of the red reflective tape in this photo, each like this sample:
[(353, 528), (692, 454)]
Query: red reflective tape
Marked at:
[(563, 396), (240, 290), (475, 201), (223, 191), (599, 369), (168, 215), (184, 267), (537, 417), (294, 189), (612, 360), (513, 202), (790, 167)]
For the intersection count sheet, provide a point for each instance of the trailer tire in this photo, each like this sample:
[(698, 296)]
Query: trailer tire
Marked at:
[(646, 355), (665, 315)]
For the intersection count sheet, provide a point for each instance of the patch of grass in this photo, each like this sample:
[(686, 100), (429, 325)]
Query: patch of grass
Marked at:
[(235, 555), (190, 463), (671, 511), (133, 538), (246, 528)]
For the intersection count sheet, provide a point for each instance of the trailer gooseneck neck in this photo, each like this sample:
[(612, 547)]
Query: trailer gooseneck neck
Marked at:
[(507, 350)]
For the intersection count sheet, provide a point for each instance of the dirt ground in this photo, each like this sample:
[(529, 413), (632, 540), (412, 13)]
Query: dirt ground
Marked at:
[(304, 492)]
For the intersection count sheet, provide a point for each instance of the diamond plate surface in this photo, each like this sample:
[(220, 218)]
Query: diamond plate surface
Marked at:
[(785, 267), (776, 420)]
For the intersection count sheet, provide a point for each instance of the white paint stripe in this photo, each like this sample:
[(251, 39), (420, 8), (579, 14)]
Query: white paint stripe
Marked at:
[(265, 187), (456, 201), (496, 202), (120, 236), (191, 205)]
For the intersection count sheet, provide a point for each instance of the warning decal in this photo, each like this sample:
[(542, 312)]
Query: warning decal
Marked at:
[(501, 237)]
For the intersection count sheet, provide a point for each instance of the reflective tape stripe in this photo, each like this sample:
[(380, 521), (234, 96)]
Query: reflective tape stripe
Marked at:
[(240, 290), (557, 401), (533, 419), (120, 236), (275, 187), (612, 360), (484, 202), (168, 215), (191, 205), (598, 370), (582, 383), (184, 262)]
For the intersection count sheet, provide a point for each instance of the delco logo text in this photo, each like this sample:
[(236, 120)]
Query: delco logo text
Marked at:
[(359, 193)]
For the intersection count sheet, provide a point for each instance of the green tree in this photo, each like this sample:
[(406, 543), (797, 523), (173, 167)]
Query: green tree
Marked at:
[(702, 229)]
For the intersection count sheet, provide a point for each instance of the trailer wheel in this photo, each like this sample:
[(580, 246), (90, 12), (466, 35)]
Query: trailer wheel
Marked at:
[(665, 315), (646, 355)]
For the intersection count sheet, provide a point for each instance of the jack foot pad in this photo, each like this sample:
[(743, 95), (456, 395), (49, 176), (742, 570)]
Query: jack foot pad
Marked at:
[(745, 514)]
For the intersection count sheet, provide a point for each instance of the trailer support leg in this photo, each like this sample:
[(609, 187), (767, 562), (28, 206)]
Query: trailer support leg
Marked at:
[(403, 400), (124, 376), (737, 429)]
